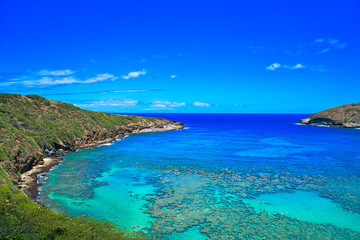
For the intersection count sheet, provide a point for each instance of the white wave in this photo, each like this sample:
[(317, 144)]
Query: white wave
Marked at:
[(119, 139), (106, 144), (302, 124)]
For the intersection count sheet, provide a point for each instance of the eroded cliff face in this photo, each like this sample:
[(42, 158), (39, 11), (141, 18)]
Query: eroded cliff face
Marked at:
[(101, 135), (342, 116)]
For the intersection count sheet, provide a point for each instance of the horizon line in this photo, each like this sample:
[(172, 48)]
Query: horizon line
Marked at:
[(125, 113)]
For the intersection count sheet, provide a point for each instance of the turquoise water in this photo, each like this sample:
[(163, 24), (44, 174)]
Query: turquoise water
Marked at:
[(307, 206), (228, 176), (121, 199)]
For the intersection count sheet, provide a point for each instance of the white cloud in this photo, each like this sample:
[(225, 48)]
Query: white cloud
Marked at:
[(134, 74), (328, 44), (106, 92), (166, 104), (200, 104), (333, 41), (110, 103), (341, 45), (100, 78), (132, 91), (239, 105), (324, 50), (273, 66), (177, 104), (173, 76), (56, 72), (44, 81), (158, 105), (296, 66), (52, 79), (8, 83)]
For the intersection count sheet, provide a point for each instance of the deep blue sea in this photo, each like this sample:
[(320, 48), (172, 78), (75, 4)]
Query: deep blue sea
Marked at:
[(226, 176)]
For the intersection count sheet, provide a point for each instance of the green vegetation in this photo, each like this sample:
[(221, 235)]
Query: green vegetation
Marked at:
[(20, 218), (28, 125)]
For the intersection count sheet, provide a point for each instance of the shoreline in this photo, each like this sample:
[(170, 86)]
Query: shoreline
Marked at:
[(29, 182)]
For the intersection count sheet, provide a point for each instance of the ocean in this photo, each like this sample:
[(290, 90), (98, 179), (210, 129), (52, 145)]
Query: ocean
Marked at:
[(226, 176)]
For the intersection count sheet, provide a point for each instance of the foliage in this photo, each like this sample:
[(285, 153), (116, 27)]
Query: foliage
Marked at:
[(22, 219), (29, 124)]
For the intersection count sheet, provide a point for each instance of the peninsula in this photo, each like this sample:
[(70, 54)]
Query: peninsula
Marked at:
[(341, 116), (34, 134)]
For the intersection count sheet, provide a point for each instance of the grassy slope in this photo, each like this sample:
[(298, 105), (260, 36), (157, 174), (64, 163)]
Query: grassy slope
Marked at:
[(27, 124)]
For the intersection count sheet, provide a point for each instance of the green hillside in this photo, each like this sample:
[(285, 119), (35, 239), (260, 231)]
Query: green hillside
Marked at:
[(31, 125)]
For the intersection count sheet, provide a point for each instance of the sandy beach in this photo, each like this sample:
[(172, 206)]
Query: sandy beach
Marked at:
[(29, 180)]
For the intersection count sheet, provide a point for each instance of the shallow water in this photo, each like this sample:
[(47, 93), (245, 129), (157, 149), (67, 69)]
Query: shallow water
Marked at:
[(308, 206), (209, 181)]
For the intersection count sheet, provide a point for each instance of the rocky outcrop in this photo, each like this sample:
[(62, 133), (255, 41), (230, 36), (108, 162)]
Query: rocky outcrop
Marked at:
[(101, 135), (342, 116)]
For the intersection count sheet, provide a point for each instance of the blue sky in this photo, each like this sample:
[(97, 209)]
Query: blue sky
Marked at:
[(183, 56)]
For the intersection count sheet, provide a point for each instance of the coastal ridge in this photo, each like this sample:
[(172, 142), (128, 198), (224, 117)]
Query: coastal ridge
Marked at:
[(347, 116)]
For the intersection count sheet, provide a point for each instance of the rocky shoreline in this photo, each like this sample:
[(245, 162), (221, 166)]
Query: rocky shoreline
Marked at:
[(29, 181)]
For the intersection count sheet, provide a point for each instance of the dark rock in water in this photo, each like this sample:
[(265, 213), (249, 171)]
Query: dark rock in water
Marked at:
[(54, 152), (342, 116)]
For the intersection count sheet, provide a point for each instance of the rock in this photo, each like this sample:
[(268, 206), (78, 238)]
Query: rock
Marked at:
[(305, 120), (342, 116)]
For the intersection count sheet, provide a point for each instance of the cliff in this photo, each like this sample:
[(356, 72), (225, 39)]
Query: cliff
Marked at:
[(32, 127), (342, 116)]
